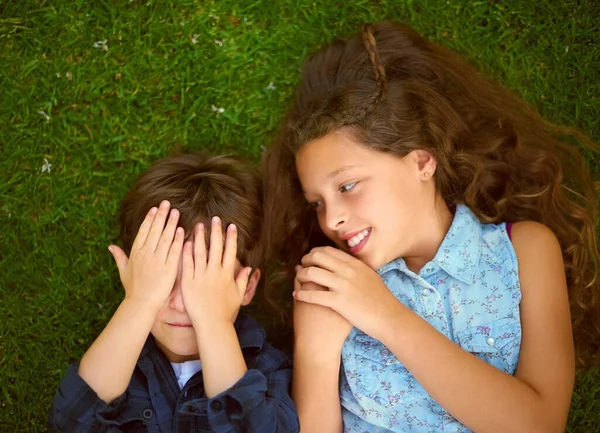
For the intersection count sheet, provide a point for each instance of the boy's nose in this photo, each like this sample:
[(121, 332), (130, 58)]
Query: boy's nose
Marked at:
[(176, 298)]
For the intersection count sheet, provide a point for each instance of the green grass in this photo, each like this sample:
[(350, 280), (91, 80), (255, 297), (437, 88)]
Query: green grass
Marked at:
[(113, 112)]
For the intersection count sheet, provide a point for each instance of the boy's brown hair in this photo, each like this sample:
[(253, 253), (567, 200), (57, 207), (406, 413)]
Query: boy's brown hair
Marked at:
[(200, 186)]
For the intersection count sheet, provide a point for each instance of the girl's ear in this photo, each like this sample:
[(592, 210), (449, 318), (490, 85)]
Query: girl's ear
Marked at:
[(426, 164), (251, 287)]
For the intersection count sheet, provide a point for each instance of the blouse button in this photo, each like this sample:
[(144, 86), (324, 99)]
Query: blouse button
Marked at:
[(425, 292), (491, 341), (385, 353), (147, 413), (191, 408)]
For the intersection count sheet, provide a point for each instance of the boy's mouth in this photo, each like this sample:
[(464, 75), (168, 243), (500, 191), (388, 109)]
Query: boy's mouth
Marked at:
[(180, 325)]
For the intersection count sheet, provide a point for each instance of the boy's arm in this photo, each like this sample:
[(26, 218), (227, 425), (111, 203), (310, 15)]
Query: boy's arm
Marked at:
[(90, 392), (108, 364), (148, 278), (106, 368), (241, 399)]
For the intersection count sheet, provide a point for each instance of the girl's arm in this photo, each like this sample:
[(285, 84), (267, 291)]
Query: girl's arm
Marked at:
[(480, 396), (319, 334)]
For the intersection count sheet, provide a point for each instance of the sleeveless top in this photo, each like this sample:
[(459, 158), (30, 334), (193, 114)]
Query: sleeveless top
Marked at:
[(469, 292)]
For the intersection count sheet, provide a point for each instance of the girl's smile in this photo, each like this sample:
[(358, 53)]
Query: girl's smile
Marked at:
[(377, 206)]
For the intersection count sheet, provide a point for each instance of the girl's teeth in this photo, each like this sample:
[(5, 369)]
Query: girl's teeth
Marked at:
[(355, 240)]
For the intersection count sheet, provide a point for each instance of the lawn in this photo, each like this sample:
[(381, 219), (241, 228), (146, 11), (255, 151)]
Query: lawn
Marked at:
[(92, 92)]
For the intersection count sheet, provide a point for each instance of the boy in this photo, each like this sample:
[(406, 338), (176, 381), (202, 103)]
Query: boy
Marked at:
[(176, 356)]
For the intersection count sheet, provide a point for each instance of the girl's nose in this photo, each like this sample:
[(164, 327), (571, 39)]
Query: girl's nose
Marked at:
[(335, 216)]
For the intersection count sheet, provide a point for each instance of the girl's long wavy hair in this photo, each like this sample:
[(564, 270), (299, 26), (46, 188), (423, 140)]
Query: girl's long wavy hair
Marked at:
[(396, 92)]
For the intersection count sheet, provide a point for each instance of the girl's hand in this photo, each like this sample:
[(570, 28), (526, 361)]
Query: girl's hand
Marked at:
[(355, 291), (211, 293), (317, 325), (149, 273)]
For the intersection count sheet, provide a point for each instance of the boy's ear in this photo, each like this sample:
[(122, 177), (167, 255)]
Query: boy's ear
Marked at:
[(251, 287)]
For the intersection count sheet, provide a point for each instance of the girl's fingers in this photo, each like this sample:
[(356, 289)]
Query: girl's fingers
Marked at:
[(319, 276), (166, 238), (176, 247), (323, 258), (318, 297), (230, 254), (158, 226), (199, 247), (215, 254), (187, 268), (142, 233)]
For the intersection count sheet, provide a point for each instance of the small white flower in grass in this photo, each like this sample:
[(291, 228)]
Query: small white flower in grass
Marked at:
[(195, 39), (263, 148), (271, 86), (566, 49), (218, 42), (217, 110), (58, 75), (182, 24), (101, 44), (47, 166), (69, 76), (43, 113), (99, 305)]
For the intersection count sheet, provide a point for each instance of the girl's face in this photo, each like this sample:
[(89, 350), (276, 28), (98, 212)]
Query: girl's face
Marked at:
[(371, 204)]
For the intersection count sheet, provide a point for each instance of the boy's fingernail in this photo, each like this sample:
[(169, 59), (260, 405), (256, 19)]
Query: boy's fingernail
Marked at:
[(215, 219), (164, 204), (232, 227), (153, 211), (110, 248)]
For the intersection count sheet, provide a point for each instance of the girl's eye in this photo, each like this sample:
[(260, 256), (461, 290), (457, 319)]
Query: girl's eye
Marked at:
[(315, 204), (347, 187)]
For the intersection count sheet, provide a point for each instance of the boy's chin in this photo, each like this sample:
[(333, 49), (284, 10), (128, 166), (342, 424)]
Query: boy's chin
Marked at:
[(178, 351)]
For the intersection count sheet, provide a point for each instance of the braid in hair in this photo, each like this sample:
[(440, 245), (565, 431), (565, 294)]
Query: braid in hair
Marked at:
[(366, 31)]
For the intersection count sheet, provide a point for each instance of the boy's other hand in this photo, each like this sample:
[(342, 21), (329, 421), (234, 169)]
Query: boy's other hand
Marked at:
[(148, 274), (211, 292)]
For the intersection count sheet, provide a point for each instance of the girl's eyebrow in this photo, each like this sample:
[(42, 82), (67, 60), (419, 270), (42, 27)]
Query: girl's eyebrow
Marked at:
[(334, 173)]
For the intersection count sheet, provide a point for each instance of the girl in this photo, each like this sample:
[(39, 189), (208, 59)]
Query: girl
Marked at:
[(443, 229)]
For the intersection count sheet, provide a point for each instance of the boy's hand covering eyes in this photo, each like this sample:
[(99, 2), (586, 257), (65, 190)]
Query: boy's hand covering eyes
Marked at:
[(211, 292), (149, 273)]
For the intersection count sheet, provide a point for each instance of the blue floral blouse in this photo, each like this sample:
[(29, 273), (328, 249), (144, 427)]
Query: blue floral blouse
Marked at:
[(469, 292)]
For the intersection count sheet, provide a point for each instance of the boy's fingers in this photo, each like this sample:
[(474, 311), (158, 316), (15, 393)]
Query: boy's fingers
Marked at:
[(158, 226), (199, 247), (176, 247), (187, 270), (166, 238), (215, 254), (120, 257), (142, 233), (230, 254), (242, 281)]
